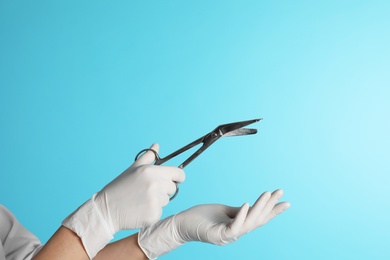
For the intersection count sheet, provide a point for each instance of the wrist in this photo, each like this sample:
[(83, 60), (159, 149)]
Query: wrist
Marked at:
[(159, 238), (89, 224), (102, 205)]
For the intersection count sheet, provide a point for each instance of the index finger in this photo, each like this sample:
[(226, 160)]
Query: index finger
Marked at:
[(257, 209)]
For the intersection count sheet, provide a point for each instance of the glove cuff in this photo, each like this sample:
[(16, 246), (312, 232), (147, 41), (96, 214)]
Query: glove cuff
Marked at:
[(159, 238), (88, 223)]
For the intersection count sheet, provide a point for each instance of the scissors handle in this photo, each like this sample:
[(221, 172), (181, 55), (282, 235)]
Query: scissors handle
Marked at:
[(158, 161)]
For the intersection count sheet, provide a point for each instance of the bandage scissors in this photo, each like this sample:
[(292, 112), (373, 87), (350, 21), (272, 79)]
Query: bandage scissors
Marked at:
[(231, 129)]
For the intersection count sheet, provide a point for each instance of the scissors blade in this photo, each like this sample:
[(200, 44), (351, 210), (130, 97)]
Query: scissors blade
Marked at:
[(241, 131), (232, 129), (226, 128)]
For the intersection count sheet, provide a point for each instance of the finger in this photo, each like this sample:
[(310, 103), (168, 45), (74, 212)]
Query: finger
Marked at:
[(258, 207), (278, 209), (172, 173), (161, 196), (238, 221), (148, 157), (276, 195), (171, 188), (164, 200)]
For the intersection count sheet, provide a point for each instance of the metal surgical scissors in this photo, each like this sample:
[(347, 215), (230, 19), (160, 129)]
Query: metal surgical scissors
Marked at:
[(231, 129)]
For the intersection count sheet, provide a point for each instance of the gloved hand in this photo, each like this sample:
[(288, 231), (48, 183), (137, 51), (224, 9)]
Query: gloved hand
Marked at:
[(134, 199), (213, 223)]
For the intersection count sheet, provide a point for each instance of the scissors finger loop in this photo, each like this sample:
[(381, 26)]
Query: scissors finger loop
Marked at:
[(157, 157), (176, 192)]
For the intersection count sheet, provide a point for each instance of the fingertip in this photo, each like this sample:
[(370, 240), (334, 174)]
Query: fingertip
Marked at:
[(155, 146), (179, 175), (282, 206), (239, 219), (244, 209), (278, 193), (146, 156), (277, 210), (263, 198), (182, 175), (245, 206), (266, 194)]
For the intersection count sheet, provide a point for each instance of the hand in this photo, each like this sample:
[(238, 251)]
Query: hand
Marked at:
[(134, 199), (213, 223)]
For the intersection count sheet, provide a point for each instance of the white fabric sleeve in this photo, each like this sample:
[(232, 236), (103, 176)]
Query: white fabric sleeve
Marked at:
[(18, 243)]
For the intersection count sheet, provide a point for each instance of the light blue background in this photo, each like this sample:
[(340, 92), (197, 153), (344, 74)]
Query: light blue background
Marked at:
[(85, 85)]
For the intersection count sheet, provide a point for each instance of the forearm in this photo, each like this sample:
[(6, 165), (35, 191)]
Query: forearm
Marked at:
[(124, 249), (63, 245)]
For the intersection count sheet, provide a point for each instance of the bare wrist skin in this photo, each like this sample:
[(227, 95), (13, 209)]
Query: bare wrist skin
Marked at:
[(64, 244), (124, 249)]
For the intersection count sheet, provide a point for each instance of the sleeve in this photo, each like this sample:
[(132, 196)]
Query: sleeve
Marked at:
[(18, 243)]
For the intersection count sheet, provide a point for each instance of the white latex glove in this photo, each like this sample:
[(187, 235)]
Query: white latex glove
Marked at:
[(134, 199), (212, 223)]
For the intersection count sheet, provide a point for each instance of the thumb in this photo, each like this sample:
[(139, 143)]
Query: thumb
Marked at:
[(238, 221), (148, 157)]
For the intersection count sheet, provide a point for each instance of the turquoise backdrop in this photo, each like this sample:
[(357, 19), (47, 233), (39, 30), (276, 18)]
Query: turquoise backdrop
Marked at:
[(85, 85)]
